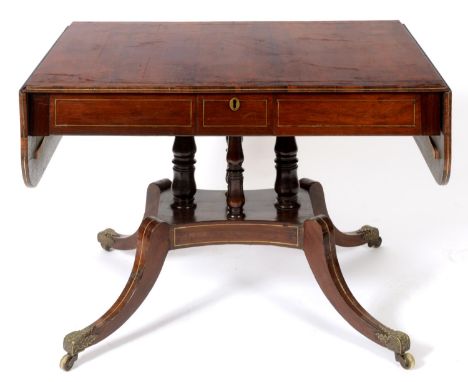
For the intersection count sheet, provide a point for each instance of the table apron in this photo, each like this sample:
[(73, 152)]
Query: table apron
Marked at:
[(236, 114)]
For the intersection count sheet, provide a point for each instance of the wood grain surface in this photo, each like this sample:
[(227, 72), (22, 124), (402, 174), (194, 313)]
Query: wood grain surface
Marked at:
[(281, 56), (174, 78), (259, 114)]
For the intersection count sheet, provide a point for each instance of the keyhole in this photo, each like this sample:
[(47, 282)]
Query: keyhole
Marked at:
[(234, 104)]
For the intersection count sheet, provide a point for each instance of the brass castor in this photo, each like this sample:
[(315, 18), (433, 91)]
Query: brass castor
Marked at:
[(67, 361), (107, 238), (375, 243), (406, 360)]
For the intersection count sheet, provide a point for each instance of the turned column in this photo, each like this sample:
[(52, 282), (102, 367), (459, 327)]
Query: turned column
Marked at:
[(183, 185), (286, 184), (235, 193)]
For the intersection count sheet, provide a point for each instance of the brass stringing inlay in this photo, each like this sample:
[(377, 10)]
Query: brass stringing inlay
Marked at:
[(185, 244), (284, 89), (345, 100), (126, 100)]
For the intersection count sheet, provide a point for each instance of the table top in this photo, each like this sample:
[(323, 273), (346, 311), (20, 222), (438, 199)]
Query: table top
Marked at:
[(237, 79), (242, 56)]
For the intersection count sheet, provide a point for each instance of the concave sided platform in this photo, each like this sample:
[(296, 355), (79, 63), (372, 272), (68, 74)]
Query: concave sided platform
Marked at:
[(262, 222)]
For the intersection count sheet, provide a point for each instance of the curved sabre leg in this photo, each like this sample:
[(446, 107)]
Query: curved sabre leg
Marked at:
[(366, 234), (152, 247), (110, 239), (319, 248)]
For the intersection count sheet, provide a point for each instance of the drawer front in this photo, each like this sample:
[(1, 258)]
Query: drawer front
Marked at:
[(350, 114), (112, 114), (235, 114)]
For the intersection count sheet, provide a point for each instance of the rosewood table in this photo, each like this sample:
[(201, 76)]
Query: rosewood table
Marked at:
[(236, 79)]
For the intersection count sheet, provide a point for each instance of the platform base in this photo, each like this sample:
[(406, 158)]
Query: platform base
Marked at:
[(308, 228)]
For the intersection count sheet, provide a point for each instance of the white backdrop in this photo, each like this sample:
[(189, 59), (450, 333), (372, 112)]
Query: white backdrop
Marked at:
[(232, 313)]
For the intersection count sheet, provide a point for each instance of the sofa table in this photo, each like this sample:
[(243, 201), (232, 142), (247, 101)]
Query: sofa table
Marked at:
[(236, 79)]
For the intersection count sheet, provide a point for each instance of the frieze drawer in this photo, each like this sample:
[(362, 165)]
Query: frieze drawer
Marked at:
[(235, 114), (110, 114), (356, 114)]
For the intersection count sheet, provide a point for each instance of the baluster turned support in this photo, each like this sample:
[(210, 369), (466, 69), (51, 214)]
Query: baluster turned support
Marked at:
[(235, 198), (286, 184), (183, 185)]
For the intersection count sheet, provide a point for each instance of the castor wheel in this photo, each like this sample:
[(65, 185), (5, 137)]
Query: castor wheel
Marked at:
[(67, 361), (375, 243), (406, 360), (107, 238)]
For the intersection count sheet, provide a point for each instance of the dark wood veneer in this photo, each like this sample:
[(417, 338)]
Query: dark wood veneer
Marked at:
[(300, 114), (114, 114), (250, 232), (236, 56), (202, 61), (236, 79), (254, 114), (361, 114), (39, 114)]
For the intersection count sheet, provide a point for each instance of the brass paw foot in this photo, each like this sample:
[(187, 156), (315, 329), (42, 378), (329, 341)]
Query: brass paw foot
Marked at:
[(107, 238), (394, 340), (406, 360), (76, 342), (370, 235), (399, 343)]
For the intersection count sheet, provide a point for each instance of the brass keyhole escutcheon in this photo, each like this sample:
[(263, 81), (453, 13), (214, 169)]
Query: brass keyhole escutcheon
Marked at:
[(234, 104)]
